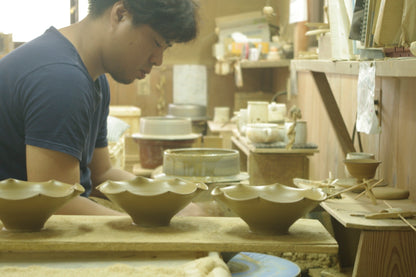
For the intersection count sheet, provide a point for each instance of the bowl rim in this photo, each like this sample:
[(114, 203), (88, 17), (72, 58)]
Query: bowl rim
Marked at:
[(119, 187), (362, 161), (166, 137), (226, 152), (69, 190), (217, 191)]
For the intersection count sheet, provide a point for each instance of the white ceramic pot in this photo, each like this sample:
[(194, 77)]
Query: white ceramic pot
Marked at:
[(277, 112), (257, 112), (221, 114), (263, 132)]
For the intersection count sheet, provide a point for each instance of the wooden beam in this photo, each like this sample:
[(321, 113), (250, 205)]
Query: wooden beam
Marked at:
[(333, 111), (74, 11)]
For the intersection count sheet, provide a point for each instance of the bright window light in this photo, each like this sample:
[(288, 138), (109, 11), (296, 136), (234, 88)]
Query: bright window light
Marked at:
[(27, 19)]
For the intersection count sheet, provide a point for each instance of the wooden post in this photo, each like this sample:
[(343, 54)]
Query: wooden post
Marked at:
[(74, 11)]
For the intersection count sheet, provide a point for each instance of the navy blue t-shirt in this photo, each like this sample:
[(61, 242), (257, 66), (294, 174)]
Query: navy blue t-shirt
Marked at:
[(49, 100)]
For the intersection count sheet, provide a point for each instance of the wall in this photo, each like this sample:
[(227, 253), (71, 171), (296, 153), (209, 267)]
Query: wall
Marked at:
[(221, 89)]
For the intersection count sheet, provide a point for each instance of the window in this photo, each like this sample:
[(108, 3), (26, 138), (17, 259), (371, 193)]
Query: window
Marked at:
[(27, 19)]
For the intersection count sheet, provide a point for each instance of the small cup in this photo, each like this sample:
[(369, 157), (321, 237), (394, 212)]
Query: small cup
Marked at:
[(221, 114), (277, 112), (257, 112)]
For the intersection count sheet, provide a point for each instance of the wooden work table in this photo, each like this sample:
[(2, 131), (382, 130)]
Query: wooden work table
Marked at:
[(189, 234), (106, 243), (271, 165), (386, 247), (101, 241)]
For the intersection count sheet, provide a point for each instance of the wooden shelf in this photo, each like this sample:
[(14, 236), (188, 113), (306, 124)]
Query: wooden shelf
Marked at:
[(265, 64), (247, 147), (348, 210), (391, 67)]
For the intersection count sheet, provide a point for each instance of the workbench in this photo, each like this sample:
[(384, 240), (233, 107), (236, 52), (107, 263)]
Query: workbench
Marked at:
[(385, 247), (116, 239), (272, 165)]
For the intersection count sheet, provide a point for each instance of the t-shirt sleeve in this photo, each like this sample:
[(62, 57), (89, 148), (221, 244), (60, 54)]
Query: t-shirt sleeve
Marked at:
[(102, 131), (57, 109)]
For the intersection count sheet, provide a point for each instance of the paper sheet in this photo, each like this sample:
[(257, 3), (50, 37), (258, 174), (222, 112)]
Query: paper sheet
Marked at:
[(367, 121), (190, 84), (298, 11)]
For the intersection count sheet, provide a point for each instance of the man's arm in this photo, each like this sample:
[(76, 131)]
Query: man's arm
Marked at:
[(102, 170), (43, 164)]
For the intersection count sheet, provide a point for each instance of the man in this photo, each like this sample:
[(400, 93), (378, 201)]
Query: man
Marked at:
[(54, 97)]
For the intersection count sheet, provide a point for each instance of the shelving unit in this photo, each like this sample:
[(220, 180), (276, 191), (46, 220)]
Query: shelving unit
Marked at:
[(265, 64), (391, 67), (383, 247), (272, 165)]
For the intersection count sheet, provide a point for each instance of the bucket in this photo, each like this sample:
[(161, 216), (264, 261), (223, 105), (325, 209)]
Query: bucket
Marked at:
[(151, 150)]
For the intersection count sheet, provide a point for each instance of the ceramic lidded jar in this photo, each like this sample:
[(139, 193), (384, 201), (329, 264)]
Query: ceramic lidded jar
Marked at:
[(26, 206)]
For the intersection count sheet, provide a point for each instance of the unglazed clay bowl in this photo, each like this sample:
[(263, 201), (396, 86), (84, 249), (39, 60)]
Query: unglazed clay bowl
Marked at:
[(26, 206), (362, 168), (268, 209), (150, 202)]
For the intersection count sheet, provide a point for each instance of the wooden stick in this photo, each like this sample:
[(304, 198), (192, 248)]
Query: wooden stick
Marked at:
[(345, 190), (368, 190), (401, 217), (372, 186)]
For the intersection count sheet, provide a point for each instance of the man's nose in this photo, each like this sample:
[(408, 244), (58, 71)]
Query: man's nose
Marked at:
[(157, 58)]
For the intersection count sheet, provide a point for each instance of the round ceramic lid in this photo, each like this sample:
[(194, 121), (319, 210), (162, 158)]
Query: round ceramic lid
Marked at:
[(166, 137)]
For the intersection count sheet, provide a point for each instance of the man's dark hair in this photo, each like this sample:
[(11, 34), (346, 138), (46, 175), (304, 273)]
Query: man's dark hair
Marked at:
[(174, 20)]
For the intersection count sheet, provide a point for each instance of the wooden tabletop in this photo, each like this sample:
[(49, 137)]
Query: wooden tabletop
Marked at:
[(115, 233), (246, 146), (351, 213)]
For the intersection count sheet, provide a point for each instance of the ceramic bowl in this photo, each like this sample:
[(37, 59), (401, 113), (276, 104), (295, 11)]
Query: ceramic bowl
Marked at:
[(192, 111), (165, 128), (263, 132), (150, 202), (362, 168), (26, 206), (201, 162), (268, 209)]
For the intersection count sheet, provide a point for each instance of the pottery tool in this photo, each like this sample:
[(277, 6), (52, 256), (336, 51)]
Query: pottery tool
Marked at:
[(401, 217), (345, 190), (294, 114), (368, 190)]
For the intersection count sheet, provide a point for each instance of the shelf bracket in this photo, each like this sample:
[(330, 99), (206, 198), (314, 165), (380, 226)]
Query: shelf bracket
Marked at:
[(333, 111)]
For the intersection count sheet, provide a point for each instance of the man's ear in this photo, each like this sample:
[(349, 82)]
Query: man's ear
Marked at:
[(118, 12)]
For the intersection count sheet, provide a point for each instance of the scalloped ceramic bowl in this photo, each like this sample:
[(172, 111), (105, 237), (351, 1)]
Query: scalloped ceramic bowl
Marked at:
[(268, 209), (362, 168), (26, 206), (150, 202)]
